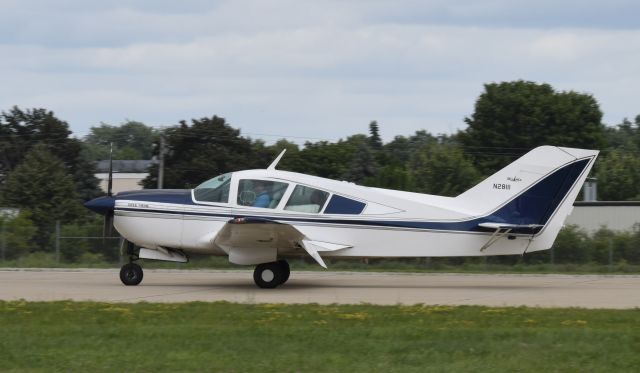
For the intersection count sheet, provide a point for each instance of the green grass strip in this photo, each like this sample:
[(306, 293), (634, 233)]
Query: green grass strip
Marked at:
[(229, 337)]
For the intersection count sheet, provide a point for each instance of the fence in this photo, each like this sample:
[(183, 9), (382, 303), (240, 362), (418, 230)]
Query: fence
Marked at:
[(73, 243)]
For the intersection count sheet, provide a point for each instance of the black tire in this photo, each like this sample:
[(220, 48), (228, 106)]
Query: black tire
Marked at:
[(131, 274), (286, 270), (268, 275)]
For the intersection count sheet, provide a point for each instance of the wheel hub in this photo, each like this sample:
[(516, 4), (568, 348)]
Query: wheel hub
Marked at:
[(267, 275)]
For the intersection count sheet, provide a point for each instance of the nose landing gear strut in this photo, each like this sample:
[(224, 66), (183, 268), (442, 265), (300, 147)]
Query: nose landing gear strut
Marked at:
[(131, 273)]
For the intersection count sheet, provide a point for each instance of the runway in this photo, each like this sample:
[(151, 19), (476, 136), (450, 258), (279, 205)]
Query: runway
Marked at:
[(587, 291)]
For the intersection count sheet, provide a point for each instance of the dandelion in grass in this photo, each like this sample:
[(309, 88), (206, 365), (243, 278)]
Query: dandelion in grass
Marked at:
[(353, 316), (574, 323), (495, 311)]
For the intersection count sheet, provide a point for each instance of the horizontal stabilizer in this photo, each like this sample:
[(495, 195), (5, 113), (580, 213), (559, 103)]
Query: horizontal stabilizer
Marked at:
[(509, 226), (502, 229)]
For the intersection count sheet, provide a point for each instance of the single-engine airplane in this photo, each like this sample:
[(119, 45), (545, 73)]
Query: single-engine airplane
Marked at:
[(261, 217)]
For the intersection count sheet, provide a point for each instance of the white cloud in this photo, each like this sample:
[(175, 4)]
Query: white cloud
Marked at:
[(310, 69)]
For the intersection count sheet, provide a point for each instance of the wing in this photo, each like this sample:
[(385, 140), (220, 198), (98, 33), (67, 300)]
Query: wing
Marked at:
[(256, 240)]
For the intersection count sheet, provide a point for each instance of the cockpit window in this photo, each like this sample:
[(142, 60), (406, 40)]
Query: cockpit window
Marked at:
[(260, 193), (305, 199), (214, 190)]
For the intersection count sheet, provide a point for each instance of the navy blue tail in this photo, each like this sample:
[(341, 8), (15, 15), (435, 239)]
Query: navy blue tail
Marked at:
[(537, 204)]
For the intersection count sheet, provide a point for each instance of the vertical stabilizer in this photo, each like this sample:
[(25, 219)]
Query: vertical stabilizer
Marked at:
[(537, 189)]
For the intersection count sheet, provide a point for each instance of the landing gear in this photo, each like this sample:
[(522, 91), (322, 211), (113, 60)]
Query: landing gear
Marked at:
[(131, 274), (271, 275), (285, 269)]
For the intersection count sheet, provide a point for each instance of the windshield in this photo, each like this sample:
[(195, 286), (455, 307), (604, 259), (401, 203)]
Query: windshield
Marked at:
[(214, 190)]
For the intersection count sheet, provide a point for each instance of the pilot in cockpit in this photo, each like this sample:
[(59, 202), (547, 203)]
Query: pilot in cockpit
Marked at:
[(262, 195)]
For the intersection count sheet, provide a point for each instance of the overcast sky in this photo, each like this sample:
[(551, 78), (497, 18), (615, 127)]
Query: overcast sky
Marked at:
[(309, 69)]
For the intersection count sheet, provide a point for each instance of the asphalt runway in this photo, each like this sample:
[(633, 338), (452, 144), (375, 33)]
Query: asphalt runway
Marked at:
[(587, 291)]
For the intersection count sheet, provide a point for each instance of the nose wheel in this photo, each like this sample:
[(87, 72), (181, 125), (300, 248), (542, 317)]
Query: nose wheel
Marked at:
[(131, 274), (271, 275)]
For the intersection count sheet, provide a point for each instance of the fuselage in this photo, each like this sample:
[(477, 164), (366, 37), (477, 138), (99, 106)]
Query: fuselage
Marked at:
[(260, 217), (373, 222)]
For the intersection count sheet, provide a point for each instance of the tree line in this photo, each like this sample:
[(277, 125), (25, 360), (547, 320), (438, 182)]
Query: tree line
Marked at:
[(48, 173)]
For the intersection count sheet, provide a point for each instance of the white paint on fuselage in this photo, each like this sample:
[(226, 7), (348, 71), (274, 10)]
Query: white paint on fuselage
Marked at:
[(196, 233)]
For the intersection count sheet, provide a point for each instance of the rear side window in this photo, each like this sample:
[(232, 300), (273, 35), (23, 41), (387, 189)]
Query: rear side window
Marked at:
[(343, 205), (305, 199)]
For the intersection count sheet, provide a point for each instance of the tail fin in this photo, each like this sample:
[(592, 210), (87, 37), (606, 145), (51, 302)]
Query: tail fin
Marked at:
[(538, 189)]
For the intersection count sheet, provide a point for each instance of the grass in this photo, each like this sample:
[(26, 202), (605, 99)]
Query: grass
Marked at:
[(70, 336)]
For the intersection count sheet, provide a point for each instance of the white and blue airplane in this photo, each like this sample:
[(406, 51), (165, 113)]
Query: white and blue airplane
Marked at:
[(262, 217)]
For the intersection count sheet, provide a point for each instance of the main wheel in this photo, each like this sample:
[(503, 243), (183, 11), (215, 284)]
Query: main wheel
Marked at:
[(286, 270), (268, 275), (131, 274)]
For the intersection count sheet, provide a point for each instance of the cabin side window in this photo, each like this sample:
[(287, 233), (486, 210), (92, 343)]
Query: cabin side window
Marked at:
[(214, 190), (260, 193), (306, 199), (343, 205)]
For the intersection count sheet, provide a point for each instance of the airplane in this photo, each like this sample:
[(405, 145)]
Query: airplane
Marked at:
[(262, 217)]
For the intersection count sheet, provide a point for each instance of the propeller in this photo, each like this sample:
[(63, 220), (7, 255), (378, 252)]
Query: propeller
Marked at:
[(107, 227)]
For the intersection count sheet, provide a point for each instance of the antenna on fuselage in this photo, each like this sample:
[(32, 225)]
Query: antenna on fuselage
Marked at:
[(273, 164)]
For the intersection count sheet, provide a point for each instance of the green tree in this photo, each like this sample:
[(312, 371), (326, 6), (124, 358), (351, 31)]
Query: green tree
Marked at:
[(375, 142), (511, 118), (625, 135), (20, 231), (21, 130), (572, 246), (401, 148), (202, 150), (363, 165), (42, 185), (618, 176), (441, 170), (131, 140), (330, 160), (391, 177)]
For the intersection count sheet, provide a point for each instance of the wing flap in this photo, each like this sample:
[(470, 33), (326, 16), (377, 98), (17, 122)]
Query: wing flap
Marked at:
[(247, 238), (313, 248)]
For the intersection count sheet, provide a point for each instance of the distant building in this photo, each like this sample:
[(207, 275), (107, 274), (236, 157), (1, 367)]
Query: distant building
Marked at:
[(591, 214), (127, 174), (615, 215), (9, 213)]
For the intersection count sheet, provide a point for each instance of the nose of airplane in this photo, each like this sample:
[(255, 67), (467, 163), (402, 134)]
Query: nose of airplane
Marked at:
[(101, 205)]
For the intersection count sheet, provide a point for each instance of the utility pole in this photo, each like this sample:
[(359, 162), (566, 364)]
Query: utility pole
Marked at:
[(57, 241), (610, 247), (4, 239), (161, 163)]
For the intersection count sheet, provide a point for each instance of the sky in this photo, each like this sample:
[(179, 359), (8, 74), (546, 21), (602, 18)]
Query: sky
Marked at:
[(309, 70)]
